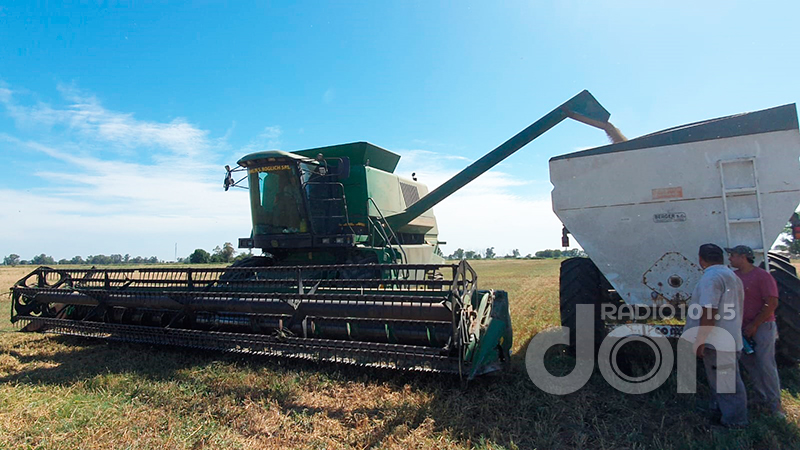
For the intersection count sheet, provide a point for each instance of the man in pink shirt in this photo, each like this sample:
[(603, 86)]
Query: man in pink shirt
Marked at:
[(758, 325)]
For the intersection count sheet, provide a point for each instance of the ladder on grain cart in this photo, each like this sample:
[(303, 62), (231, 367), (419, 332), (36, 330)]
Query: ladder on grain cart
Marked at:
[(741, 203)]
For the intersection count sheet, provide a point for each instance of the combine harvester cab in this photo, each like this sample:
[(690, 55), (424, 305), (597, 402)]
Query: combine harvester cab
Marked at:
[(641, 209), (349, 271)]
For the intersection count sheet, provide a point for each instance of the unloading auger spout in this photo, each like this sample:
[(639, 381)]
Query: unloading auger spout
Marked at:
[(583, 107)]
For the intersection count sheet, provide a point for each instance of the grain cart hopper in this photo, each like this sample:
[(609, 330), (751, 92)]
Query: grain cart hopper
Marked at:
[(642, 207), (349, 271)]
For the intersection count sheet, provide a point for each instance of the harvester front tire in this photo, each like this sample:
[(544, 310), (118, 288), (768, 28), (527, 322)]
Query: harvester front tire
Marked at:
[(787, 316), (581, 283)]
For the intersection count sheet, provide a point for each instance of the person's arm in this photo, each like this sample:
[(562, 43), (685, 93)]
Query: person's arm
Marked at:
[(769, 307), (769, 289), (707, 320)]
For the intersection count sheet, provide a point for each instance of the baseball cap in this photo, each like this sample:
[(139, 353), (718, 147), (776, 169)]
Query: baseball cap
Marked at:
[(742, 250), (711, 252)]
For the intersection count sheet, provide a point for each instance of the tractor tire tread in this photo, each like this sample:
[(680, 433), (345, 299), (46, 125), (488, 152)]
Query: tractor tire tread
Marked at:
[(787, 315)]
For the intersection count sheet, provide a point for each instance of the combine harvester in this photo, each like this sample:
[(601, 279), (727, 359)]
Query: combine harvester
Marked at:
[(349, 274), (642, 208)]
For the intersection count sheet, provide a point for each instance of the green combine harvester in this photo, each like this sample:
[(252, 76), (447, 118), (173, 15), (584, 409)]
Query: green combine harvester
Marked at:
[(350, 271)]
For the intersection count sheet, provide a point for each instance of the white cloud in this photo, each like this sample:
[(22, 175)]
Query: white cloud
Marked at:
[(5, 94), (268, 139), (329, 96), (86, 116), (86, 203), (273, 132), (495, 210)]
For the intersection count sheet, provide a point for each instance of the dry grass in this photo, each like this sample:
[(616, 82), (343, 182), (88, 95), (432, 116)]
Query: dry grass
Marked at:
[(66, 393)]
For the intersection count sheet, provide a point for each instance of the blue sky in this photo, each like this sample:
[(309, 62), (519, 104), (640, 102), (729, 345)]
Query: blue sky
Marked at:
[(116, 119)]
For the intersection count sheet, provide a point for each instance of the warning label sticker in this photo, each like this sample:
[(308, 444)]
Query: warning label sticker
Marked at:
[(665, 193)]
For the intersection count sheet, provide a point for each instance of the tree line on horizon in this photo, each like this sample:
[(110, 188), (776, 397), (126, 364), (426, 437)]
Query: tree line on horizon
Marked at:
[(220, 254), (489, 253), (226, 254), (95, 260)]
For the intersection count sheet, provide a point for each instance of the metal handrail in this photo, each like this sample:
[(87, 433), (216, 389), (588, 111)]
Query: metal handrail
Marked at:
[(386, 238)]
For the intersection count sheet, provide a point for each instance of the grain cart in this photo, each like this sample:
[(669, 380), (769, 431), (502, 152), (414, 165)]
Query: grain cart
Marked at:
[(349, 271), (642, 207)]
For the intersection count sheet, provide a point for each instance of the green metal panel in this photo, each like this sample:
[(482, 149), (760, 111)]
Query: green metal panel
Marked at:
[(496, 337), (360, 154), (384, 190), (355, 189)]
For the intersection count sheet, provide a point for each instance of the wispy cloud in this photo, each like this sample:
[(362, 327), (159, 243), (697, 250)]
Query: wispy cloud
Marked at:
[(268, 139), (85, 115), (495, 210), (87, 201), (329, 96)]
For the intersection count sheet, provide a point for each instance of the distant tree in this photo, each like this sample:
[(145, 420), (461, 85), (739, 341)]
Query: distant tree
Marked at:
[(569, 253), (42, 259), (77, 260), (199, 256), (99, 260), (572, 253), (515, 253), (154, 260), (469, 254), (224, 254), (490, 254), (126, 258), (11, 260), (788, 243), (63, 261), (457, 255), (242, 256)]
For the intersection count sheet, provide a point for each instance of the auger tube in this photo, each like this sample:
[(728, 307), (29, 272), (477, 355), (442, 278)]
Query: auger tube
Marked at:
[(583, 107)]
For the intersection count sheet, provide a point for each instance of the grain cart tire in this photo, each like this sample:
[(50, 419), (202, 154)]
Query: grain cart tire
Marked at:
[(783, 262), (581, 283), (787, 316)]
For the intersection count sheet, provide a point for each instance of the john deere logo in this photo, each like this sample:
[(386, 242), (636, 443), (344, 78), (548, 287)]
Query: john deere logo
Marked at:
[(669, 217)]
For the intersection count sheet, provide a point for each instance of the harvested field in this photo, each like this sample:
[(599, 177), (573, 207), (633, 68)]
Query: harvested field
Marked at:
[(64, 393)]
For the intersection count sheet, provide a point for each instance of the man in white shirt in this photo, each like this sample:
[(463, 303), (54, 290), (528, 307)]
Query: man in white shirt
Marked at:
[(717, 307)]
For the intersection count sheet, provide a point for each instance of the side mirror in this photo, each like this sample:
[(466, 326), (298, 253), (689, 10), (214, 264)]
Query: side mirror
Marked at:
[(228, 182)]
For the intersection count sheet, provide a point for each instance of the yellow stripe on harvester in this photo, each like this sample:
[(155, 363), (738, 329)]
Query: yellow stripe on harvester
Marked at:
[(270, 168)]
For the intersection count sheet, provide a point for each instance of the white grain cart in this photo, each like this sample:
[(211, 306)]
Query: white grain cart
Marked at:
[(641, 208)]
